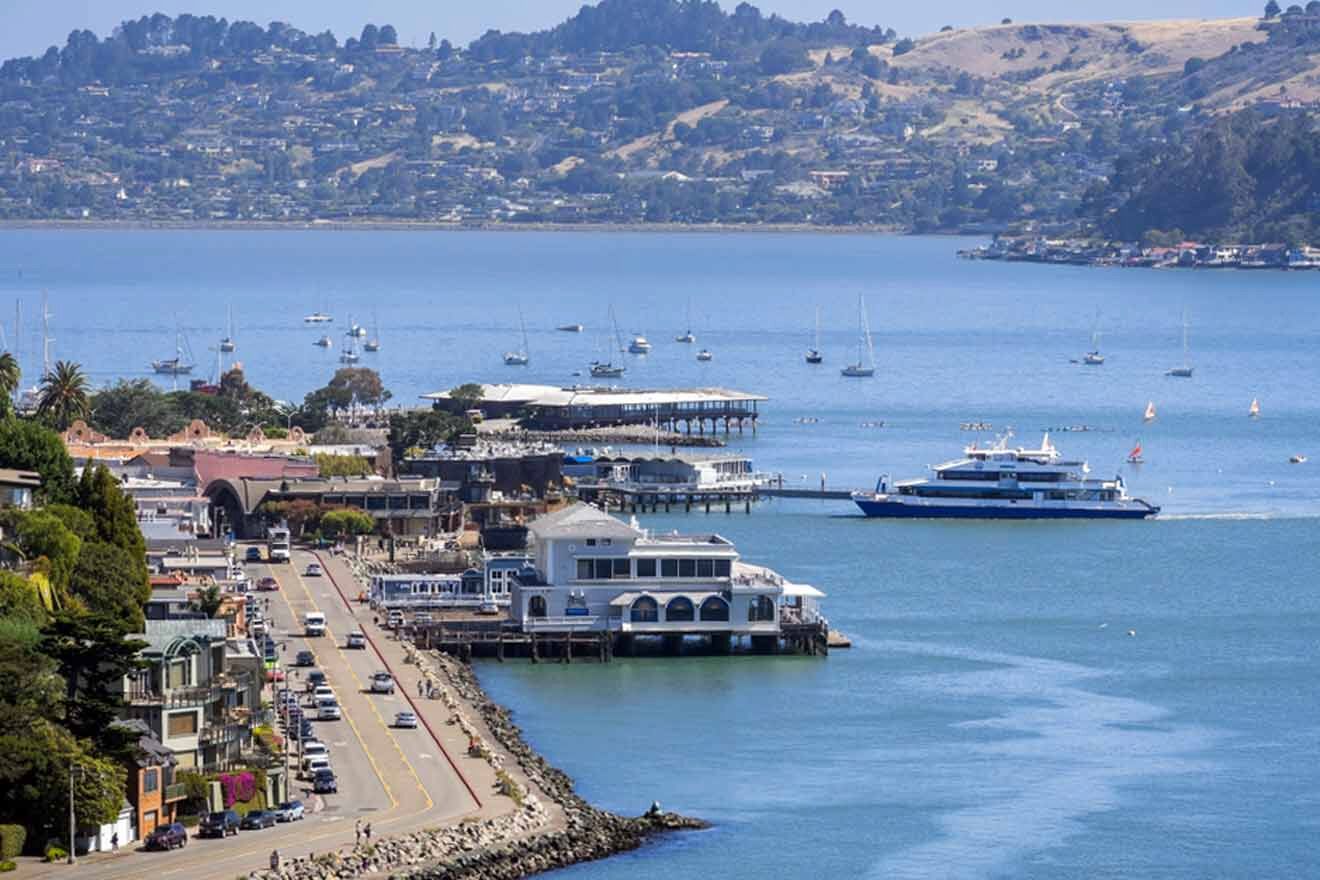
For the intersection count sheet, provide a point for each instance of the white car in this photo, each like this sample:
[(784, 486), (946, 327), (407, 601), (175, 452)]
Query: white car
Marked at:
[(405, 719), (327, 710), (313, 570), (317, 762), (382, 683), (323, 692)]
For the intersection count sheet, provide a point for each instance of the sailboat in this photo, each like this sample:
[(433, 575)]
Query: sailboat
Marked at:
[(350, 354), (606, 369), (227, 344), (324, 342), (373, 344), (179, 365), (318, 318), (1253, 412), (519, 358), (864, 367), (1134, 457), (1149, 415), (1185, 371), (687, 336), (813, 354), (1094, 358)]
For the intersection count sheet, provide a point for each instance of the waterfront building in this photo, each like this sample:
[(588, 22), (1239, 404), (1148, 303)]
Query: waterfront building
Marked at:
[(595, 573), (487, 588)]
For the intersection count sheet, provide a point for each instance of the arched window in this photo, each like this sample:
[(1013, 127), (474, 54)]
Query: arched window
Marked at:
[(679, 608), (645, 610), (760, 608), (714, 608), (536, 606)]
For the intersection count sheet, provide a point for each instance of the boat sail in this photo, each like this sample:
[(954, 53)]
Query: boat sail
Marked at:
[(1149, 415), (813, 354), (228, 343), (864, 367), (519, 358), (1253, 412), (606, 369), (1134, 457), (1185, 371), (687, 336), (182, 362)]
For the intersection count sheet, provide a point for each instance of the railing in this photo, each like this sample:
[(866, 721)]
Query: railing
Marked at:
[(176, 791), (222, 733), (175, 697)]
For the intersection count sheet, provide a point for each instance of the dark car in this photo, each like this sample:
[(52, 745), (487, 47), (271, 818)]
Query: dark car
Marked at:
[(253, 554), (221, 824), (324, 782), (304, 658), (258, 819), (314, 679), (267, 584), (305, 729), (167, 837)]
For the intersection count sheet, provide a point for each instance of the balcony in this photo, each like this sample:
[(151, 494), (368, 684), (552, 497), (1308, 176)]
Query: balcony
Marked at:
[(175, 698), (176, 792), (218, 734)]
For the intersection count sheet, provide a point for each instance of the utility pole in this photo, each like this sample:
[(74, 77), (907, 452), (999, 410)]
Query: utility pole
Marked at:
[(73, 858)]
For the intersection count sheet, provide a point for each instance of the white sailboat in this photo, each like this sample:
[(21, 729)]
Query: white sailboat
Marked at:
[(1094, 358), (1185, 371), (606, 369), (182, 362), (687, 335), (813, 354), (373, 344), (865, 366), (519, 358), (1149, 415), (228, 343), (350, 354), (324, 342), (1253, 412)]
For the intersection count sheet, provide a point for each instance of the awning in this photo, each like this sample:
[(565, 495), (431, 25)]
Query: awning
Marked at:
[(804, 590)]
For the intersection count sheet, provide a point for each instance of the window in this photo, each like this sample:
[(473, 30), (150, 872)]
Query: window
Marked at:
[(679, 609), (622, 568), (591, 542), (761, 608), (646, 568), (687, 568), (723, 567), (714, 608), (605, 542), (586, 569), (669, 568), (705, 568), (536, 606), (604, 569), (182, 724), (150, 780), (645, 610)]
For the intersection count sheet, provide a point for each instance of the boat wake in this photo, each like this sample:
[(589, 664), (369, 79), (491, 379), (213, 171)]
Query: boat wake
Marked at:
[(1235, 516), (1026, 780)]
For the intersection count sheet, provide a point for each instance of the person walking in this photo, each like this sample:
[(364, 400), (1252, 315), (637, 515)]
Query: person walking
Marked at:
[(114, 842), (367, 831), (419, 689), (357, 832), (274, 860)]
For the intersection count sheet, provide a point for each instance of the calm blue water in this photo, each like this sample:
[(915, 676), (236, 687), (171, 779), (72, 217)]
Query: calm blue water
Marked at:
[(995, 717)]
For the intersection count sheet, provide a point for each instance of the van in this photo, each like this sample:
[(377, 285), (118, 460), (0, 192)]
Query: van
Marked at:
[(395, 619), (314, 749), (323, 692), (318, 762), (327, 709), (314, 623)]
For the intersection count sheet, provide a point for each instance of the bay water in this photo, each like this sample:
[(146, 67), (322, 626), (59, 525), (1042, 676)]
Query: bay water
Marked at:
[(1022, 699)]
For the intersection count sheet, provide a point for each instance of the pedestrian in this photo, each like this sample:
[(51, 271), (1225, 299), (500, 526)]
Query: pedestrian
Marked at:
[(274, 860), (367, 831), (357, 832), (419, 689), (114, 842)]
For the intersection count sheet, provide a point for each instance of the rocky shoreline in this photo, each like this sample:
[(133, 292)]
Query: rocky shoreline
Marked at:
[(510, 846)]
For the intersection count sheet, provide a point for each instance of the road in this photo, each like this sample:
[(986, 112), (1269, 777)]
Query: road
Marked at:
[(397, 780)]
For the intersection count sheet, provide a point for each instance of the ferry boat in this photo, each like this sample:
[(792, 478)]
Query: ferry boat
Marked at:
[(1003, 482)]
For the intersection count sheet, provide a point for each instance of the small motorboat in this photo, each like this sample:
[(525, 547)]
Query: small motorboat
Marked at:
[(317, 318), (569, 328), (1297, 459), (705, 355), (605, 370), (324, 342), (639, 345)]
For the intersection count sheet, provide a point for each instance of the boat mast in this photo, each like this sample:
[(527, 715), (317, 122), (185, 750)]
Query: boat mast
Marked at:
[(1186, 360), (523, 324), (46, 338), (817, 347)]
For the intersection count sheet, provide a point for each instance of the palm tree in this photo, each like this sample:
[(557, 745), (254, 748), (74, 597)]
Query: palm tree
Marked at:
[(64, 395), (10, 374)]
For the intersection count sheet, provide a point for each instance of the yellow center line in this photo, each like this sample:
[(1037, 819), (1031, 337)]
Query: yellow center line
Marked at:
[(370, 702)]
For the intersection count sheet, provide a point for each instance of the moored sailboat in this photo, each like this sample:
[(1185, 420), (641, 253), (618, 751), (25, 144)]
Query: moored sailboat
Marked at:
[(865, 366), (182, 362), (813, 354), (519, 358), (228, 343), (606, 369), (1185, 371), (1149, 414), (1253, 411)]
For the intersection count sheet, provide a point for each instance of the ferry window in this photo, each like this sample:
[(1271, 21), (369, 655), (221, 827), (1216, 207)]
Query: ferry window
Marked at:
[(705, 568), (605, 542), (604, 568), (646, 568), (669, 568), (760, 609), (591, 542), (622, 568), (723, 568), (645, 610), (687, 568), (586, 569), (536, 606), (679, 608), (714, 608)]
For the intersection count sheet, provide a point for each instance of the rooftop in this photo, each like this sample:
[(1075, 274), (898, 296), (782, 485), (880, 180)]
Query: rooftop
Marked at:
[(595, 395), (580, 519)]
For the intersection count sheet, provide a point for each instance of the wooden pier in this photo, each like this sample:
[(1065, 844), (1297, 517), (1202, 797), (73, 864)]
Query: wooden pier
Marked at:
[(685, 499)]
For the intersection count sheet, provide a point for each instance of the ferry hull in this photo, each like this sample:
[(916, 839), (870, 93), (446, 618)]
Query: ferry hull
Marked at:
[(894, 509)]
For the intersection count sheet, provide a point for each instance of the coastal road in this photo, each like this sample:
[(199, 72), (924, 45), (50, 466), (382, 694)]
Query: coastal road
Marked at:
[(397, 780)]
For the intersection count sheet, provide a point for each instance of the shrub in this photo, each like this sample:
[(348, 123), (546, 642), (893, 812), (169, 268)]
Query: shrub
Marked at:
[(56, 853), (6, 866), (238, 787), (12, 838)]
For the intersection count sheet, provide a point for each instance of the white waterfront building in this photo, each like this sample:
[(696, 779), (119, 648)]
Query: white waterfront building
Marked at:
[(595, 573)]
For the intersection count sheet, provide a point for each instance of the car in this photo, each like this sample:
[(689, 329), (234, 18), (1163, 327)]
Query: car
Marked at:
[(382, 683), (304, 658), (315, 679), (275, 675), (258, 819), (327, 710), (314, 748), (314, 763), (405, 719), (289, 811), (422, 617), (313, 570), (323, 692), (267, 584), (305, 728), (324, 782), (394, 620), (356, 639), (219, 824), (253, 554), (167, 837)]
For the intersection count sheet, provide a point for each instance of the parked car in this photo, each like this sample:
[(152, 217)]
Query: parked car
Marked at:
[(305, 729), (382, 683), (304, 658), (395, 619), (356, 639), (219, 824), (405, 719), (253, 554), (289, 811), (267, 584), (313, 570), (258, 819), (275, 674), (313, 748), (314, 763), (324, 782), (167, 837)]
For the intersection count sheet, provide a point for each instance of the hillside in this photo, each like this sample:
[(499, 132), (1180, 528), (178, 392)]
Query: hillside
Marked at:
[(631, 111)]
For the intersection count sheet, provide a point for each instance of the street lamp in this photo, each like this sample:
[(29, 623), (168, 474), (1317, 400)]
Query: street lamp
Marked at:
[(73, 826)]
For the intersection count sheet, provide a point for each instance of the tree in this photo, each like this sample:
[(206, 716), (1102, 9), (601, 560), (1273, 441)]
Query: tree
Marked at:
[(41, 535), (467, 395), (361, 386), (389, 36), (423, 430), (29, 446), (209, 601), (22, 598), (343, 465), (346, 522), (64, 395), (135, 403), (10, 376), (1272, 9), (113, 512), (110, 583), (783, 57), (904, 46), (92, 655)]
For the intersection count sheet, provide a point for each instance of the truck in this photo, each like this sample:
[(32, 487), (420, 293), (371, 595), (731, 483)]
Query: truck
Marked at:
[(277, 544), (314, 624)]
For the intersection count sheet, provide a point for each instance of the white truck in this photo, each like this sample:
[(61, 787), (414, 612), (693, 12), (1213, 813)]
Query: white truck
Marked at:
[(277, 544), (313, 624)]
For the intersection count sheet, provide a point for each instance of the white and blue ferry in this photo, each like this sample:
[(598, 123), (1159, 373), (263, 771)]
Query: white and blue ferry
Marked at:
[(999, 482)]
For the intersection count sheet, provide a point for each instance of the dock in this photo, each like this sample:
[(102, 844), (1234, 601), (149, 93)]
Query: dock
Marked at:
[(667, 499)]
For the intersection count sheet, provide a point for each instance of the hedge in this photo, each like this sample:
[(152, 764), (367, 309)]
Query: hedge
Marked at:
[(6, 866), (12, 838), (56, 853)]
